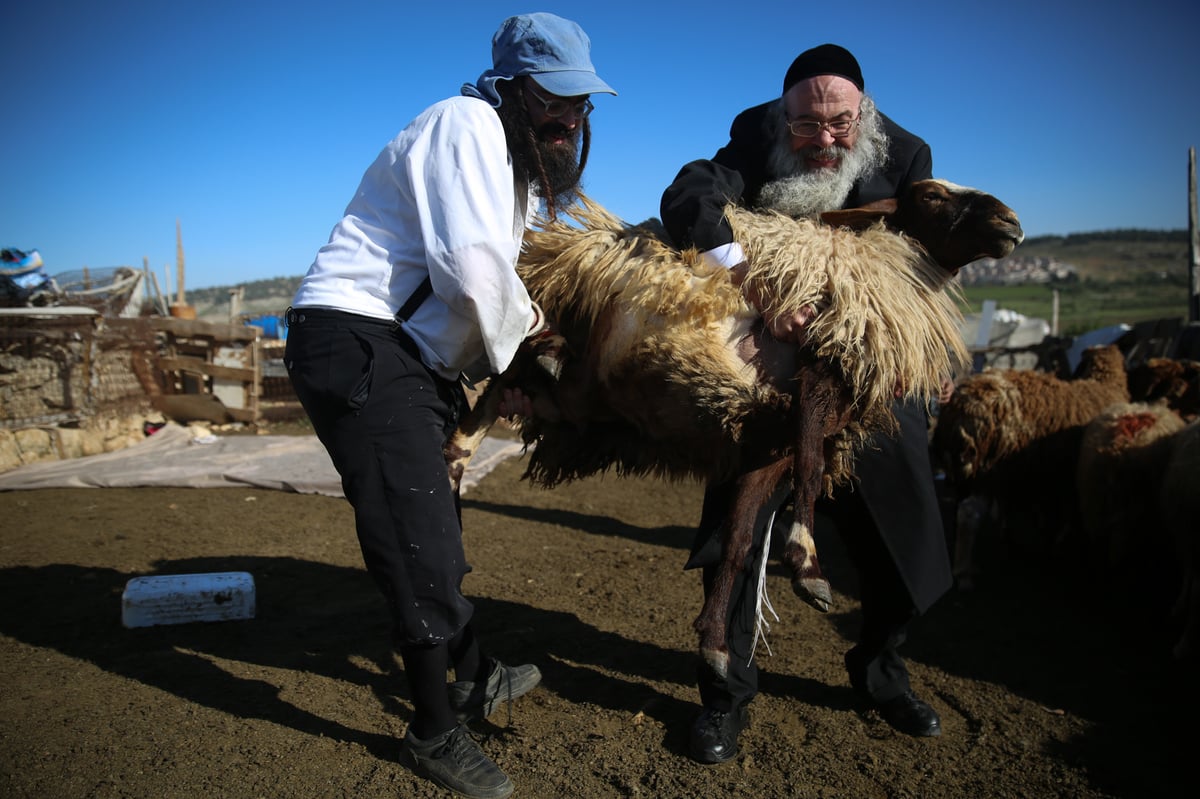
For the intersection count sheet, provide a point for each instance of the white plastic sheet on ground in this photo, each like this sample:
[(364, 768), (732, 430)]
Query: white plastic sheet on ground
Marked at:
[(171, 457)]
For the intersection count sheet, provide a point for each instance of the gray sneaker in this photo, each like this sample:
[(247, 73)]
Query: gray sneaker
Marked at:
[(454, 761), (472, 701)]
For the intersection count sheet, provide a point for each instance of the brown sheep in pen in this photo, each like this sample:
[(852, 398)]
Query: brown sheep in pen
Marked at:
[(668, 370), (1139, 493), (1173, 380), (1122, 459), (1008, 440)]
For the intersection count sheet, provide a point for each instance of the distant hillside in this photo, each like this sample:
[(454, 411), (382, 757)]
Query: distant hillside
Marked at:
[(259, 297), (1114, 255)]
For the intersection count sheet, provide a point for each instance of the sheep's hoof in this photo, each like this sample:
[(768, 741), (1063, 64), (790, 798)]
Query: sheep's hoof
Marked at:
[(551, 365), (815, 591), (717, 660)]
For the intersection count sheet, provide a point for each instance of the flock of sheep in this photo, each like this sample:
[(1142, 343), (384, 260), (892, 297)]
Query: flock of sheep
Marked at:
[(1102, 469)]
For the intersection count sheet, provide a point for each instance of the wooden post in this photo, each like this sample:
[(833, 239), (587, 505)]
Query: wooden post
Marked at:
[(235, 303), (161, 304), (179, 260), (1193, 242), (180, 308)]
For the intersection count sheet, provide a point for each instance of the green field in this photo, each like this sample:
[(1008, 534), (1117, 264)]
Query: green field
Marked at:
[(1125, 276), (1090, 304)]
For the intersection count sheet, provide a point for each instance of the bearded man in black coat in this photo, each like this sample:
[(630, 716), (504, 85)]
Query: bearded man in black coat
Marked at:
[(822, 145)]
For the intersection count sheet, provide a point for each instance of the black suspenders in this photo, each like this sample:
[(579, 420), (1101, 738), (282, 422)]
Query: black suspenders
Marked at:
[(414, 301)]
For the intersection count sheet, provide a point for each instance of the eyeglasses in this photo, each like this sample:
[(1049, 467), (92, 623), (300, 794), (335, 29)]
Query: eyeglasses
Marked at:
[(838, 128), (557, 107)]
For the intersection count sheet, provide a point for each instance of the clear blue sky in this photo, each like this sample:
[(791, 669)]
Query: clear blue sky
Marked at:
[(252, 121)]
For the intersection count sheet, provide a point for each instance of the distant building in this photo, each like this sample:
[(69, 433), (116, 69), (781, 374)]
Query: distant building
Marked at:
[(1016, 270)]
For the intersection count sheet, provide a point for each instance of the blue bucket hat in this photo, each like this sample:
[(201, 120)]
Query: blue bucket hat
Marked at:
[(555, 52)]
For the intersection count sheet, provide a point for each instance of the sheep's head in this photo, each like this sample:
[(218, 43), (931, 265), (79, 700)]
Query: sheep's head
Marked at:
[(1101, 362), (955, 224)]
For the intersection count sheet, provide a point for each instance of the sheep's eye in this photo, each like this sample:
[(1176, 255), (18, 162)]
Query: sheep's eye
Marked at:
[(933, 197)]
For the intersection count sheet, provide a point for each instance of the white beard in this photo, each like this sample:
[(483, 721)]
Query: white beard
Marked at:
[(808, 193), (804, 192)]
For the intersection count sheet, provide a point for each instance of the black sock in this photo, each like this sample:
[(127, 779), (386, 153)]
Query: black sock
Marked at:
[(469, 662), (425, 667)]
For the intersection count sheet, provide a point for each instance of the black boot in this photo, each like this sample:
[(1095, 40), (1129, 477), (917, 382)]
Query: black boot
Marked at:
[(715, 733), (910, 715)]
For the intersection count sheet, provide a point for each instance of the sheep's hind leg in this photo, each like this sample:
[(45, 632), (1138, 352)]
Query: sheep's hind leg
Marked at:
[(737, 531), (711, 623)]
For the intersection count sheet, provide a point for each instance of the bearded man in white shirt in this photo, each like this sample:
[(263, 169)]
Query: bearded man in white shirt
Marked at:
[(416, 289)]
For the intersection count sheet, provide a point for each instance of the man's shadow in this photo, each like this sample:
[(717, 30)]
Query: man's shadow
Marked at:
[(324, 620)]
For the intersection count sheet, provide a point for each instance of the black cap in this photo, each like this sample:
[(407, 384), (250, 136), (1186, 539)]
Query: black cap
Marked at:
[(825, 59)]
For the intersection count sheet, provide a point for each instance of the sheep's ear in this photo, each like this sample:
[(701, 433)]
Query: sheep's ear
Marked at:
[(861, 218)]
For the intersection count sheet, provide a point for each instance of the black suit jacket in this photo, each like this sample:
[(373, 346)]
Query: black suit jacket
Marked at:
[(894, 476)]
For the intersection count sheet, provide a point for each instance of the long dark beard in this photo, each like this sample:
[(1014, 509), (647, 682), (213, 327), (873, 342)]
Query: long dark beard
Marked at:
[(555, 170)]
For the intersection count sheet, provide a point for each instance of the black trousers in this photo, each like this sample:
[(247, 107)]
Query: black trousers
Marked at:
[(876, 670), (384, 419)]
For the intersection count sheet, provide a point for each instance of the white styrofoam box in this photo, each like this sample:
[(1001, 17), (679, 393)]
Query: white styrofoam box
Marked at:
[(182, 598)]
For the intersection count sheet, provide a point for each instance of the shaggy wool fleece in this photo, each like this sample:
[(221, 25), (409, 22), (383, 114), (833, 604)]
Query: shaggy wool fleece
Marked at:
[(657, 322)]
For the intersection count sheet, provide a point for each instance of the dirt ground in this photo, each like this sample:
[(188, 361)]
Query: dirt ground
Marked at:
[(1046, 687)]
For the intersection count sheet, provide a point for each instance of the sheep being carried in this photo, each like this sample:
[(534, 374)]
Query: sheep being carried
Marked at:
[(662, 368)]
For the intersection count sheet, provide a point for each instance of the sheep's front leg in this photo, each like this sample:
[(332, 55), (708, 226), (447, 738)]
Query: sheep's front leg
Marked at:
[(800, 549), (800, 555), (821, 409), (752, 491), (472, 429), (537, 364)]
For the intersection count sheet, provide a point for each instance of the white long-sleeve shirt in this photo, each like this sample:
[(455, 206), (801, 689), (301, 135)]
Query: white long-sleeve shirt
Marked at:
[(441, 199)]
